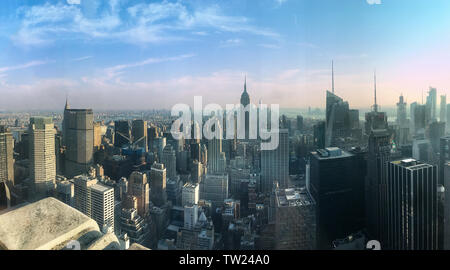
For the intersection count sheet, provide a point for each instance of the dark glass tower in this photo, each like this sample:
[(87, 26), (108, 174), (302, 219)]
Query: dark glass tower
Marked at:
[(337, 119), (444, 157), (121, 133), (139, 133), (337, 186), (378, 157)]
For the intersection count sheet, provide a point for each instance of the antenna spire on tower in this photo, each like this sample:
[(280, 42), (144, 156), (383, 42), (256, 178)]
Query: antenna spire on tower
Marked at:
[(375, 106), (332, 76), (245, 83)]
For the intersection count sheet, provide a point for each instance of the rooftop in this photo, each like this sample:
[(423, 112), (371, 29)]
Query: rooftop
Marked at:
[(330, 153), (411, 164), (190, 185), (293, 197)]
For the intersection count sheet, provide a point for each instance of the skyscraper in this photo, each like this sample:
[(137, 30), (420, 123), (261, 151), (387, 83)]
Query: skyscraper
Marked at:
[(444, 158), (431, 104), (443, 109), (215, 154), (337, 119), (190, 194), (139, 133), (412, 109), (295, 220), (121, 133), (448, 118), (102, 200), (6, 166), (337, 187), (245, 101), (158, 184), (6, 156), (299, 123), (412, 206), (169, 159), (95, 200), (375, 119), (436, 132), (190, 216), (420, 119), (82, 193), (196, 171), (446, 183), (319, 135), (42, 156), (139, 187), (275, 164), (376, 194), (215, 189), (401, 113), (78, 138), (97, 135)]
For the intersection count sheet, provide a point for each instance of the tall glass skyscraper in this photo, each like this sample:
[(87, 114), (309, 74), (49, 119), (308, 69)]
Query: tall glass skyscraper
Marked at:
[(275, 164), (412, 205), (337, 187), (378, 157)]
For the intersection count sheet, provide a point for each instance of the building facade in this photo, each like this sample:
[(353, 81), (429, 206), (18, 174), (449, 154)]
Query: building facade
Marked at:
[(78, 137), (275, 164), (412, 204), (42, 156)]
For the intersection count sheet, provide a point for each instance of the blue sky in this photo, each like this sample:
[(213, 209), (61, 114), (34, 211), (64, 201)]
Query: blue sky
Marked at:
[(127, 54)]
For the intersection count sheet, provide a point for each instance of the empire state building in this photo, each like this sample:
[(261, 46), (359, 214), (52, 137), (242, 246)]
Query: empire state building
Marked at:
[(245, 100)]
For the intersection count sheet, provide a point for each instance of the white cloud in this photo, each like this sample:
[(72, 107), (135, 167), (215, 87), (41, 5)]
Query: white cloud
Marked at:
[(269, 46), (231, 42), (22, 66), (141, 23), (82, 58), (373, 2), (113, 72), (73, 2), (200, 33)]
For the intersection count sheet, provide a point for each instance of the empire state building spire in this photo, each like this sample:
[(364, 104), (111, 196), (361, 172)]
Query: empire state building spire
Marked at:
[(245, 98)]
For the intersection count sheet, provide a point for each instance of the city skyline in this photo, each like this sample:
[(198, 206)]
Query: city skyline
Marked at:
[(129, 54)]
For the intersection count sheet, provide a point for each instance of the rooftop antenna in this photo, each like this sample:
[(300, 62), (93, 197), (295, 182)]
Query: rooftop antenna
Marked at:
[(332, 76), (245, 83), (375, 106)]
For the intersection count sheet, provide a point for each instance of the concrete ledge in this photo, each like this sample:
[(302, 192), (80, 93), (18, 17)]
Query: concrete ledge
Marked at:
[(46, 224), (137, 247)]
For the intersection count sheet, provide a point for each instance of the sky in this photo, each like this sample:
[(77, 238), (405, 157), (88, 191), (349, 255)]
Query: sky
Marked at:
[(132, 54)]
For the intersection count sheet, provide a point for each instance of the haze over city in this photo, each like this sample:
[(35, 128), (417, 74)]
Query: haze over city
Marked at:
[(127, 54)]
